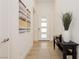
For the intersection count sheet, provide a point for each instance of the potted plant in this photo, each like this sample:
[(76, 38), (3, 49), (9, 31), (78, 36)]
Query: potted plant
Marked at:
[(67, 17)]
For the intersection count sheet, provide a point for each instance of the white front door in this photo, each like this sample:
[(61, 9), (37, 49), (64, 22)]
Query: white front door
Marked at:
[(43, 29), (4, 30)]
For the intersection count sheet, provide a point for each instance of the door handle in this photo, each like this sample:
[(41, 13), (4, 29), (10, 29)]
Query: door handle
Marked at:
[(38, 28), (5, 40)]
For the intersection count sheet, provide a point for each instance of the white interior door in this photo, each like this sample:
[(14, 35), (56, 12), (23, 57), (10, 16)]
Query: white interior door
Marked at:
[(4, 50), (43, 29), (4, 32), (4, 41)]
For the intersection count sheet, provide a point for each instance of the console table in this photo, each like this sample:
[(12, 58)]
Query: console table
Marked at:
[(67, 48)]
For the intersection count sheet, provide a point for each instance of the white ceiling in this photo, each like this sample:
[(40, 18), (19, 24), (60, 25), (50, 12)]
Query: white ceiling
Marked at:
[(44, 0)]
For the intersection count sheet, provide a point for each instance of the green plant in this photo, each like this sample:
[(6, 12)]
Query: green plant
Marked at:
[(67, 17)]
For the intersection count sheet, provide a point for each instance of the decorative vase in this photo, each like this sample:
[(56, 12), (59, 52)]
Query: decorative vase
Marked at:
[(66, 36)]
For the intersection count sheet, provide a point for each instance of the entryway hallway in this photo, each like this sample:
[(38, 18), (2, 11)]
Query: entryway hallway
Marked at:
[(25, 21), (44, 50)]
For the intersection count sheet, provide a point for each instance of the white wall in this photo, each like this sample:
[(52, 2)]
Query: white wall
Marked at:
[(21, 43), (58, 25), (35, 21), (43, 10), (24, 41)]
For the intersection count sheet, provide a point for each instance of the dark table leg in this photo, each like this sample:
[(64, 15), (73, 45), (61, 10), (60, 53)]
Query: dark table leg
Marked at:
[(64, 56), (74, 56), (54, 43), (64, 53)]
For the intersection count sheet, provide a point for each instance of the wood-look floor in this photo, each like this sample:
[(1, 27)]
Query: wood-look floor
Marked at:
[(44, 50)]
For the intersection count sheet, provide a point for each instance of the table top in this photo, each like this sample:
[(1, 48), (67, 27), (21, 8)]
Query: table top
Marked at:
[(70, 43)]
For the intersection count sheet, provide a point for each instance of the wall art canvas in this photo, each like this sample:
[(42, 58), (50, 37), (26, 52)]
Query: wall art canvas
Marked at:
[(24, 18)]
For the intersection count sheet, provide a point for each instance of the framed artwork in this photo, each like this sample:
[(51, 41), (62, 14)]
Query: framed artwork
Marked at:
[(24, 18)]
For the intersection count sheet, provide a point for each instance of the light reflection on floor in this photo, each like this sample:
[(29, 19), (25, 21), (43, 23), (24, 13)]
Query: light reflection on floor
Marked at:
[(43, 45)]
